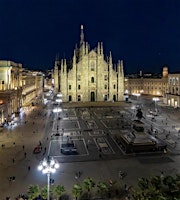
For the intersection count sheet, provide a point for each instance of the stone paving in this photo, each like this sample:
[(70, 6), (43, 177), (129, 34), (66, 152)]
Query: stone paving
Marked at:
[(38, 124)]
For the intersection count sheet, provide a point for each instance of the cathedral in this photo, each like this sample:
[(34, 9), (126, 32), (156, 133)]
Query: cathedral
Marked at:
[(89, 76)]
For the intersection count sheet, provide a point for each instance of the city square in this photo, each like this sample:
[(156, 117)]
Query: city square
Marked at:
[(89, 100), (91, 129)]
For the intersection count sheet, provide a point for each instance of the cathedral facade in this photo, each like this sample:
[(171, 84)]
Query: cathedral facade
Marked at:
[(88, 76)]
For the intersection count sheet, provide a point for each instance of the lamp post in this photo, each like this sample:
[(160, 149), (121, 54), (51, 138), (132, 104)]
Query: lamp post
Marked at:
[(48, 166), (155, 99)]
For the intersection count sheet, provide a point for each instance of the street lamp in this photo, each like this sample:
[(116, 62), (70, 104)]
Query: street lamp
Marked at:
[(155, 99), (48, 166)]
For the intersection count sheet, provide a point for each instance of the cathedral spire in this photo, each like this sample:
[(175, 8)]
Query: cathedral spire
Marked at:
[(57, 57), (99, 48), (82, 35)]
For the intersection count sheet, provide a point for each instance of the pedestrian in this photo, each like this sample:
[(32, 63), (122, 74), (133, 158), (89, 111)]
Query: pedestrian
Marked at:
[(162, 175), (29, 168), (14, 143), (13, 160), (25, 154), (76, 176), (23, 147)]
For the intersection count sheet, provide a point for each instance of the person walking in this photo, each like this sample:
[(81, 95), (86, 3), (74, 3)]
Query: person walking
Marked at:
[(162, 175), (29, 168), (25, 154)]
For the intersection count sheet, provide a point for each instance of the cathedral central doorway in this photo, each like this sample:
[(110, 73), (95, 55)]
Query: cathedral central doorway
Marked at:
[(114, 97), (92, 96)]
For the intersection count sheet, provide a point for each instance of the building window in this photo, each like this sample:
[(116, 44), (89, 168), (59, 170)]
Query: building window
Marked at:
[(79, 97), (69, 87), (105, 87), (114, 86), (70, 98), (92, 79), (79, 77), (79, 87), (92, 66), (105, 77)]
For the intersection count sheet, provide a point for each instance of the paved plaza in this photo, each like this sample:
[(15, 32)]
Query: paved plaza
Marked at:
[(91, 129)]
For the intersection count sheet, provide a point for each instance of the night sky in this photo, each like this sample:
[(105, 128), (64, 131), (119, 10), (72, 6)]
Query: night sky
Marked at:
[(143, 33)]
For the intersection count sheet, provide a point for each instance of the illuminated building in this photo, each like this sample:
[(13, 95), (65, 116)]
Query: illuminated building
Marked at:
[(173, 94), (147, 84), (32, 86), (17, 88), (89, 77), (10, 88)]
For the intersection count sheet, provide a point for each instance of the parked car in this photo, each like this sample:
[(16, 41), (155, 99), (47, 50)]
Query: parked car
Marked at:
[(68, 149), (154, 113)]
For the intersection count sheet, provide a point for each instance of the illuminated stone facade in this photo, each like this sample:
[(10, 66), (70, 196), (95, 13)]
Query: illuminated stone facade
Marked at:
[(17, 88), (89, 77), (32, 86), (173, 94), (148, 85), (10, 88)]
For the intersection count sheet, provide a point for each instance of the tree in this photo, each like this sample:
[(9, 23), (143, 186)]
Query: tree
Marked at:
[(58, 190), (33, 192), (170, 182), (44, 192), (88, 185), (156, 182), (77, 191), (143, 183), (154, 189), (102, 188)]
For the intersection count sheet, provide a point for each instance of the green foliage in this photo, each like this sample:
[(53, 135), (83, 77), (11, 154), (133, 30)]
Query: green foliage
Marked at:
[(170, 182), (44, 192), (88, 184), (156, 182), (102, 188), (77, 190), (155, 189), (58, 190), (143, 183), (33, 192)]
